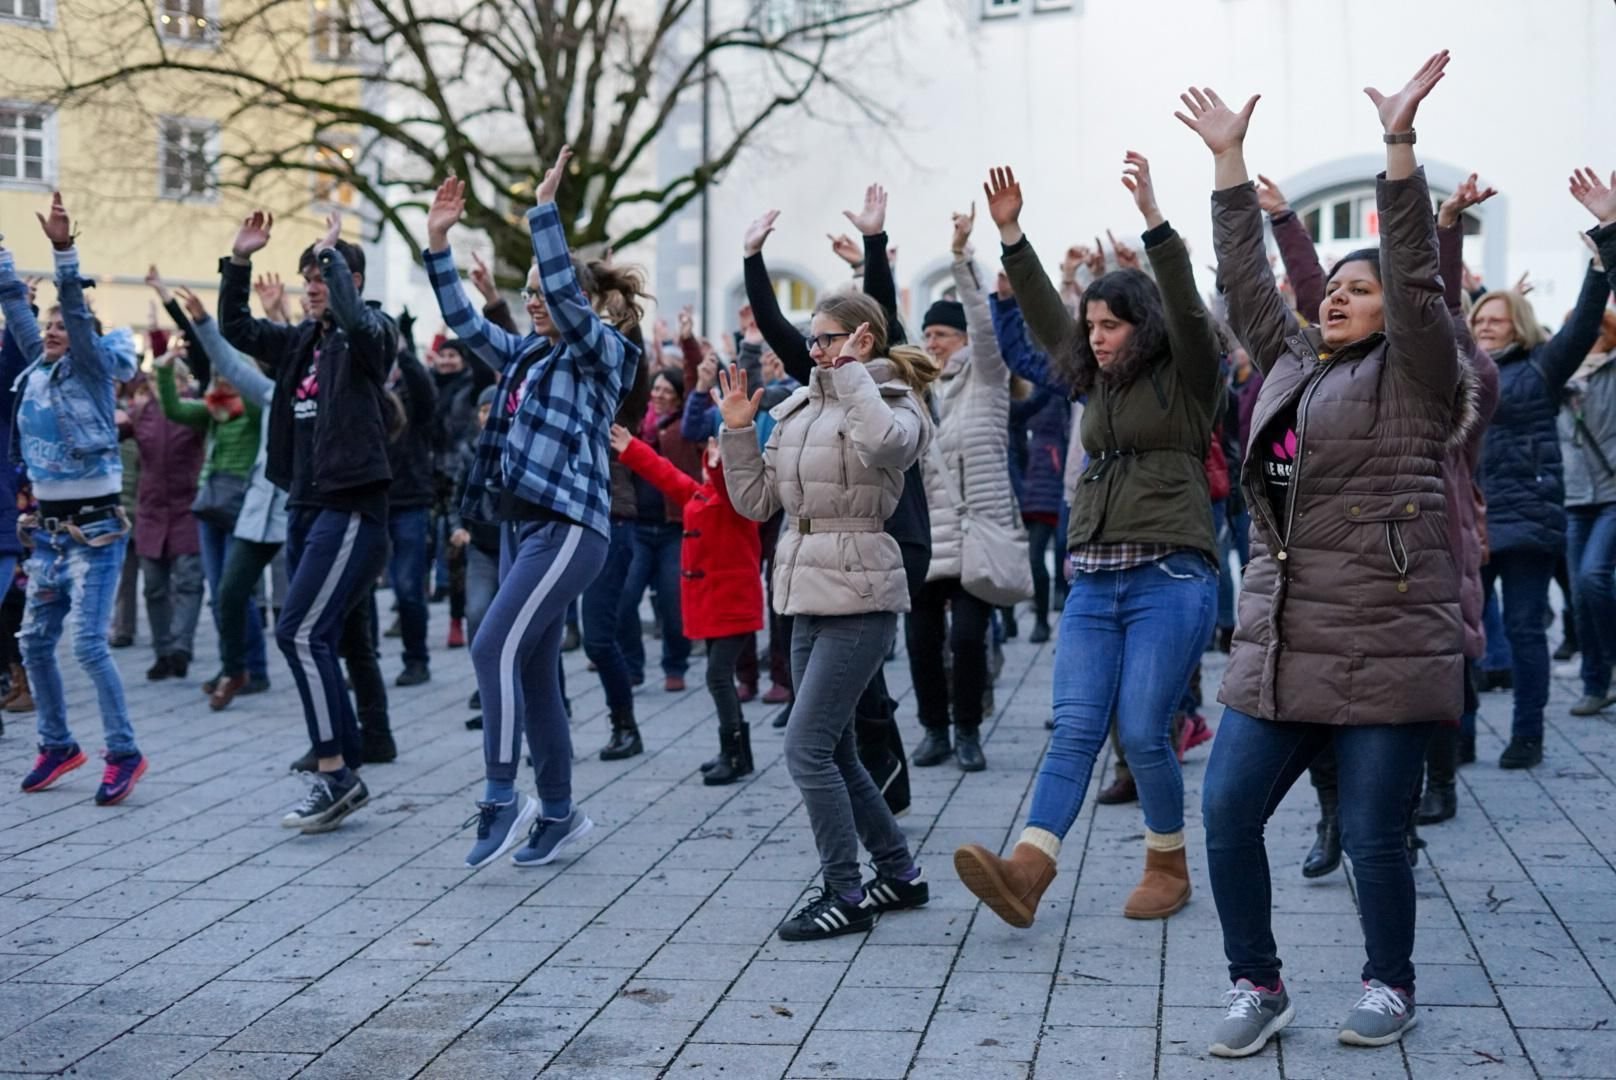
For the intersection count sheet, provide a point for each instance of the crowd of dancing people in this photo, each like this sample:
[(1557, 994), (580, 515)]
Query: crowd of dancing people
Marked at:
[(1326, 473)]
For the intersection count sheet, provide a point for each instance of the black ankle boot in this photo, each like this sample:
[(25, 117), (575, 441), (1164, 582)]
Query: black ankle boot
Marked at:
[(625, 741), (1467, 750), (1326, 853), (378, 746), (1521, 754), (1440, 801), (968, 750), (934, 749), (732, 763)]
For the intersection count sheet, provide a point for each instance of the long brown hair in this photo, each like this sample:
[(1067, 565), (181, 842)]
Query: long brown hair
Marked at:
[(615, 291)]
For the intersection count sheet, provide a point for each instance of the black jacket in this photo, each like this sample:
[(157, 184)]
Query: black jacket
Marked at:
[(409, 456), (357, 342)]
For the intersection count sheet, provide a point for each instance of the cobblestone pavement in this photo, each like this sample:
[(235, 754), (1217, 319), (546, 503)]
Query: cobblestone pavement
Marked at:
[(186, 934)]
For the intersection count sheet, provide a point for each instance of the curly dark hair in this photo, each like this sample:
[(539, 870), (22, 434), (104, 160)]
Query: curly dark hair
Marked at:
[(1132, 297)]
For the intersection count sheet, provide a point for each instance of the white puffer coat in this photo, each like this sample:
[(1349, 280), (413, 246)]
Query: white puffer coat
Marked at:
[(834, 463), (968, 464)]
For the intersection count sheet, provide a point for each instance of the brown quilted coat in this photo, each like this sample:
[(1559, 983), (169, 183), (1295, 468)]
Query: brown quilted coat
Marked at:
[(1349, 613)]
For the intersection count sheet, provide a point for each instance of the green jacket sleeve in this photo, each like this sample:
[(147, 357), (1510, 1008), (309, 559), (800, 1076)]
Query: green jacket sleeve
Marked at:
[(192, 414), (1194, 342)]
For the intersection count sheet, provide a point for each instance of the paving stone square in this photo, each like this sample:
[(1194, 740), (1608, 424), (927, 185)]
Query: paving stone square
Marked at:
[(184, 934)]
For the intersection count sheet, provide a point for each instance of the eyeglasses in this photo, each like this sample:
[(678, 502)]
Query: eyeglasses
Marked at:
[(528, 295), (824, 340)]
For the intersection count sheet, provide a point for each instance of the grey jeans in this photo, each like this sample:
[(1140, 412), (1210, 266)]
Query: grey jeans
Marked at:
[(830, 653), (482, 581), (173, 602)]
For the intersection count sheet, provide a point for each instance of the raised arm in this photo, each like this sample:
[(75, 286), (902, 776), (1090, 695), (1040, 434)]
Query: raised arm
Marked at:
[(776, 329), (262, 339), (749, 470), (22, 325), (371, 338), (987, 363), (1010, 330), (1566, 350), (1296, 250), (656, 470), (193, 414), (249, 379), (1052, 325), (197, 357), (879, 285), (1190, 334), (496, 346)]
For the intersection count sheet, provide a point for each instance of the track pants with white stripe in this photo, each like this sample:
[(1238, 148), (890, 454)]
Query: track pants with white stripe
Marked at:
[(543, 567), (331, 559)]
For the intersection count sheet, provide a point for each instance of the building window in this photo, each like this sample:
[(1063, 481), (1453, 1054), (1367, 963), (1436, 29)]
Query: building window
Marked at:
[(334, 160), (332, 30), (192, 22), (26, 146), (994, 9), (25, 10), (187, 151), (780, 17), (1346, 219), (797, 297)]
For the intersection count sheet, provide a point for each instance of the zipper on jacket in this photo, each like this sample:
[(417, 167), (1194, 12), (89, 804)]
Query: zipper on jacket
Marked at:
[(1301, 452), (1399, 554)]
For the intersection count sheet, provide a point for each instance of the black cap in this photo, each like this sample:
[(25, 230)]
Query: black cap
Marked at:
[(945, 313)]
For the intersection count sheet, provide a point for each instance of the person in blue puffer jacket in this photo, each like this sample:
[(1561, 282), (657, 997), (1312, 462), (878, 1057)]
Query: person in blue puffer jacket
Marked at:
[(1523, 479), (1042, 491), (65, 432)]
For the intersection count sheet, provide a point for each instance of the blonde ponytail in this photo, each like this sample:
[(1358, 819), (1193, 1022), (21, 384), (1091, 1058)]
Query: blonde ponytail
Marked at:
[(915, 366)]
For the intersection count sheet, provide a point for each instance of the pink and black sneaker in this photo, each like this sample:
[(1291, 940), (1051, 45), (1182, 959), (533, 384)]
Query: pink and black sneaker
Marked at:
[(53, 763), (118, 779)]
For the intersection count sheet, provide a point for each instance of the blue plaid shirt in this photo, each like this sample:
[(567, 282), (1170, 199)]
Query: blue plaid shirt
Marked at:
[(553, 451)]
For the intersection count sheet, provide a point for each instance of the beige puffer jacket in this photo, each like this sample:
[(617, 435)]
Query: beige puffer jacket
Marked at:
[(834, 463), (968, 463)]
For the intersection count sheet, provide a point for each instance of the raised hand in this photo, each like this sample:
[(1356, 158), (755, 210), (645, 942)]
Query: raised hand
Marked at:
[(333, 232), (1127, 257), (33, 282), (1220, 127), (1397, 111), (482, 279), (552, 178), (619, 438), (1075, 257), (194, 307), (1004, 202), (176, 351), (1595, 194), (1523, 284), (847, 249), (1270, 198), (1136, 178), (687, 323), (1095, 258), (57, 225), (873, 218), (253, 235), (448, 204), (707, 372), (859, 340), (1001, 287), (1467, 194), (737, 409), (963, 224), (758, 232)]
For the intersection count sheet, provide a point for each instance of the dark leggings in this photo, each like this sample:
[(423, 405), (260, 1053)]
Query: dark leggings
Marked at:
[(1040, 538), (722, 653), (945, 615), (244, 564)]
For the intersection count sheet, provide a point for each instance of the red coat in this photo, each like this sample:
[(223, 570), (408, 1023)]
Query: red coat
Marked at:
[(720, 589)]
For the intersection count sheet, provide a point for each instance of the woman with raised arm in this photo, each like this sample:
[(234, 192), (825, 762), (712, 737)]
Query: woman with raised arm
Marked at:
[(543, 455), (1144, 586), (67, 437), (1349, 627), (834, 464), (1522, 476)]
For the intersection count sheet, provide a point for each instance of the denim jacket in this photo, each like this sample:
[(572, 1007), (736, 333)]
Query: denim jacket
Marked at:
[(81, 390)]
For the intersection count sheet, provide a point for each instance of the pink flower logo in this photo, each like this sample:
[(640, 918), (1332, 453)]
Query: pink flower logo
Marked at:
[(1285, 449)]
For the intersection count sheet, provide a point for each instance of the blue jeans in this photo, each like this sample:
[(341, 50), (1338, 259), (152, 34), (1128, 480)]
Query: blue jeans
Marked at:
[(216, 544), (332, 557), (1497, 656), (1128, 642), (67, 578), (1234, 538), (1591, 553), (406, 566), (1254, 763), (1526, 576), (656, 558), (601, 610)]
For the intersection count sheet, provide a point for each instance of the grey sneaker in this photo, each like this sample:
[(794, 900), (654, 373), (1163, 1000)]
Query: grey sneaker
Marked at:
[(1255, 1015), (549, 837), (1589, 704), (500, 827), (1380, 1018), (327, 803)]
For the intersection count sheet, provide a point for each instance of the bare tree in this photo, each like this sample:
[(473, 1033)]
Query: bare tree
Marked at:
[(393, 95)]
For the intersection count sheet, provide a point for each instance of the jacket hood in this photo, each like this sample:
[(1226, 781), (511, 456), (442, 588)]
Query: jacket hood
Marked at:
[(122, 355)]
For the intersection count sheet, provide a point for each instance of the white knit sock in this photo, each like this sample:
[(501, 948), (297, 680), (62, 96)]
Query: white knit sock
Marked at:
[(1155, 841), (1043, 840)]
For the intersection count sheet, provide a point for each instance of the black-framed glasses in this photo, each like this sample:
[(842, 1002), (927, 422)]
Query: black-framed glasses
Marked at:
[(528, 295), (824, 340)]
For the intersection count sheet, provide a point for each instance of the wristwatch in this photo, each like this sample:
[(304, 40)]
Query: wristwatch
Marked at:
[(1392, 137)]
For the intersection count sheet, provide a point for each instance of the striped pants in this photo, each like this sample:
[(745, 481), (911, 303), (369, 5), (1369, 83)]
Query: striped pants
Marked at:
[(331, 559), (543, 567)]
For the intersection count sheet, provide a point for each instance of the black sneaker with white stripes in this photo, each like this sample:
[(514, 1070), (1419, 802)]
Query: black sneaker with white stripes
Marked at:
[(826, 915), (883, 893)]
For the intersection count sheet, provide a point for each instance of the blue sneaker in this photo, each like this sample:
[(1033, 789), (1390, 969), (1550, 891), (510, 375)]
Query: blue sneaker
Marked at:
[(549, 837), (118, 779), (499, 828), (51, 765)]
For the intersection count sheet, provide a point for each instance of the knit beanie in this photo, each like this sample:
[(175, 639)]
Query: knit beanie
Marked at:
[(949, 313)]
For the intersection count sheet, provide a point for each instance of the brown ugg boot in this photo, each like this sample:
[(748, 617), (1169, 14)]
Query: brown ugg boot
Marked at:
[(1011, 887), (1164, 889), (23, 700), (18, 675)]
